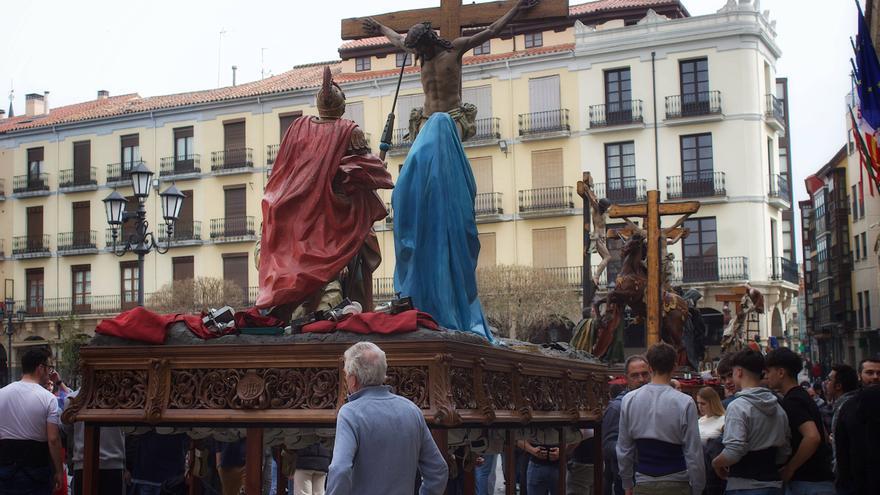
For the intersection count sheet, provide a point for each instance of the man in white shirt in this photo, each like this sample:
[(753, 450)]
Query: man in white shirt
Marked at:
[(30, 444)]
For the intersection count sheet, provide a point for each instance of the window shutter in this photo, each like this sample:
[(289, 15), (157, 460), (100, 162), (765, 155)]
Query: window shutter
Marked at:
[(285, 121), (183, 132), (82, 162), (487, 250), (405, 104), (235, 202), (35, 155), (34, 222), (482, 168), (185, 217), (547, 169), (544, 94), (233, 135), (480, 96), (548, 248), (355, 112), (131, 140), (81, 216), (235, 269), (183, 268)]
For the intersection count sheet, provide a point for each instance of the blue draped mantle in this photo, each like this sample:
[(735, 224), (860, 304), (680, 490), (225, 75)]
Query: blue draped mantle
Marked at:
[(435, 231)]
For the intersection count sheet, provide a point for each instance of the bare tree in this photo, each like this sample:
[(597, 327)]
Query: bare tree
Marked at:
[(196, 295), (521, 300)]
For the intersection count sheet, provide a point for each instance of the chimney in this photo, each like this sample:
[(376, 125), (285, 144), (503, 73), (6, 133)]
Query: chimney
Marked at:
[(46, 102), (103, 94), (2, 114), (34, 104), (234, 68)]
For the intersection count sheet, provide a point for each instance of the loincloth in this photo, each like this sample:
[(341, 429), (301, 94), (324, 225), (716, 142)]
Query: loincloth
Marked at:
[(465, 116)]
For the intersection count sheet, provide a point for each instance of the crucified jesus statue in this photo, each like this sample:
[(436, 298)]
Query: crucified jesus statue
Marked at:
[(669, 236), (441, 62)]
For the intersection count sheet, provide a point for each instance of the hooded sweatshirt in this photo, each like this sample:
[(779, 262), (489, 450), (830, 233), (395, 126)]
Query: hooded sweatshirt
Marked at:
[(756, 440)]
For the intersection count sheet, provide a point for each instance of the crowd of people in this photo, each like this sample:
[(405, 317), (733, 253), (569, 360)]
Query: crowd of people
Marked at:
[(769, 432)]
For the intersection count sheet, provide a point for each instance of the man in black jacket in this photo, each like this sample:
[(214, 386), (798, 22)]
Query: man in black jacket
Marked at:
[(637, 374), (857, 439)]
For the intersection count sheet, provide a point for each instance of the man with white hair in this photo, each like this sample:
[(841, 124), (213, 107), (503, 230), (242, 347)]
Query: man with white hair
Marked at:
[(382, 439)]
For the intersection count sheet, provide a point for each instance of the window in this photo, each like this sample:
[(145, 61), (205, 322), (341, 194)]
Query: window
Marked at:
[(235, 210), (861, 200), (131, 151), (694, 87), (868, 309), (362, 64), (401, 59), (697, 169), (618, 96), (549, 248), (82, 162), (860, 313), (547, 169), (545, 106), (35, 164), (35, 289), (183, 146), (484, 49), (182, 268), (534, 40), (81, 279), (487, 250), (82, 224), (783, 162), (620, 172), (355, 112), (34, 215), (128, 284), (481, 97), (864, 245), (856, 240), (855, 202), (284, 121), (482, 168), (235, 269), (774, 244), (700, 250)]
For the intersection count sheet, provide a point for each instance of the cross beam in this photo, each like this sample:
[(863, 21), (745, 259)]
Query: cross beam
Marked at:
[(627, 232), (652, 210), (452, 16)]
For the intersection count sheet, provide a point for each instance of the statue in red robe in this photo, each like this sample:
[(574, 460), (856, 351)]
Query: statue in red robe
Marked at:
[(318, 211)]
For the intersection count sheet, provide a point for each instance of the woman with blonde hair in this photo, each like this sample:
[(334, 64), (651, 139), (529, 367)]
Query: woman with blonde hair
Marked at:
[(711, 420)]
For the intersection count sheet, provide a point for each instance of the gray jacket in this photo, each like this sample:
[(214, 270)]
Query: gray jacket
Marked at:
[(112, 448), (755, 421)]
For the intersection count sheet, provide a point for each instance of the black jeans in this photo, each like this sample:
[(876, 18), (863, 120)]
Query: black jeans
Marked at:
[(20, 480), (110, 482)]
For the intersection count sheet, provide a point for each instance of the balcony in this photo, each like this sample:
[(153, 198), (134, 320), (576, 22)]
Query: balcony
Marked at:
[(388, 222), (487, 206), (180, 168), (544, 125), (232, 161), (775, 113), (72, 243), (186, 233), (697, 106), (24, 186), (2, 190), (696, 185), (233, 229), (779, 192), (30, 246), (119, 174), (488, 132), (624, 113), (784, 269), (272, 153), (400, 141), (622, 191), (71, 181), (548, 201), (695, 270), (383, 289)]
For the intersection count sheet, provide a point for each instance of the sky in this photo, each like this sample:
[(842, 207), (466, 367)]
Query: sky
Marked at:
[(154, 47)]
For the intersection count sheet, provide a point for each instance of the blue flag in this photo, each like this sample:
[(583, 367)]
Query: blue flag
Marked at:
[(868, 68)]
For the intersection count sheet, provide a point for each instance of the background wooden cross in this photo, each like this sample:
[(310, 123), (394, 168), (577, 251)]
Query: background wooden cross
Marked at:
[(452, 16), (651, 211)]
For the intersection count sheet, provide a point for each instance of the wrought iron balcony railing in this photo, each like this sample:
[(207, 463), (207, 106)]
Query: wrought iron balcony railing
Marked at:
[(232, 228), (389, 220), (488, 204), (487, 129), (619, 113), (30, 183), (547, 198), (628, 190), (119, 172), (696, 269), (543, 122), (693, 104), (180, 165), (784, 269), (183, 231), (272, 153), (696, 185), (400, 139), (70, 178), (30, 244), (232, 159), (383, 288), (73, 241), (775, 108), (779, 187)]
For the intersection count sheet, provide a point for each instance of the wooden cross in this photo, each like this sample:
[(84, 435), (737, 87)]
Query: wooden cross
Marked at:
[(651, 211), (452, 16)]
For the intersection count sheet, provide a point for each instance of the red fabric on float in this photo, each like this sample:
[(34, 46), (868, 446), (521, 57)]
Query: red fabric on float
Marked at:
[(310, 232), (146, 326), (365, 323)]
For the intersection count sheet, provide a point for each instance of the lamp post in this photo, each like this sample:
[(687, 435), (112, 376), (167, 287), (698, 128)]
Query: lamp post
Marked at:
[(11, 316), (140, 241)]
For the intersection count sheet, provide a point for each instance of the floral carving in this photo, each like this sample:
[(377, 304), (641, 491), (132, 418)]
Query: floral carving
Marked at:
[(463, 388), (498, 389), (120, 389), (410, 382), (544, 393)]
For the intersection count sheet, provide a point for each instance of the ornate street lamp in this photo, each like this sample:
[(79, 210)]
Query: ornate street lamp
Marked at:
[(140, 241), (7, 312)]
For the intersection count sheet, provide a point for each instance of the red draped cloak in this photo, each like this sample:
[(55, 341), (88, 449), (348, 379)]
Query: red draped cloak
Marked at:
[(310, 230)]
